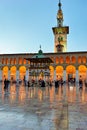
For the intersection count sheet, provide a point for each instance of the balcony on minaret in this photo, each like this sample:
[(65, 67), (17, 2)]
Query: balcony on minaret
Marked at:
[(59, 48)]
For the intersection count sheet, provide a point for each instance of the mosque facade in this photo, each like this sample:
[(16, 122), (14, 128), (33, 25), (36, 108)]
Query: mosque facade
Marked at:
[(65, 64)]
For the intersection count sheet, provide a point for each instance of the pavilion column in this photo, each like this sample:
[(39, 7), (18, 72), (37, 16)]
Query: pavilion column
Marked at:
[(64, 75), (77, 76)]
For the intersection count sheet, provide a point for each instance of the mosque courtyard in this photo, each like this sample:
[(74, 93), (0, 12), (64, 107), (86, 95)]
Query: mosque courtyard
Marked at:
[(43, 108)]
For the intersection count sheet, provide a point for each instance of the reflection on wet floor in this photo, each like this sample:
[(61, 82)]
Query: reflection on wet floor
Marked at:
[(46, 108), (22, 92)]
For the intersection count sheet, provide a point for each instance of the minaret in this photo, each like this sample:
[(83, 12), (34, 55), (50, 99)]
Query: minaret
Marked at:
[(60, 32)]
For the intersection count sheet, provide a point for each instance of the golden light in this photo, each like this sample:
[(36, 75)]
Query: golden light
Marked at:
[(13, 89), (22, 71), (59, 69), (22, 93), (40, 95), (82, 69), (5, 72), (51, 68), (71, 69), (13, 69)]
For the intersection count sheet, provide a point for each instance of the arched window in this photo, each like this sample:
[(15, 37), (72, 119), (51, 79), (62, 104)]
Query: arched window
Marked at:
[(73, 59), (67, 59), (79, 59), (57, 60), (61, 60), (84, 59)]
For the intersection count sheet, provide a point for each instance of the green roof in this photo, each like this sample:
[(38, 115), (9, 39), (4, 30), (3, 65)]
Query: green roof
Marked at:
[(39, 55)]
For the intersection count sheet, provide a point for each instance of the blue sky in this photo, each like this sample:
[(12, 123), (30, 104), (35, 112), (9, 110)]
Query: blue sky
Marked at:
[(27, 24)]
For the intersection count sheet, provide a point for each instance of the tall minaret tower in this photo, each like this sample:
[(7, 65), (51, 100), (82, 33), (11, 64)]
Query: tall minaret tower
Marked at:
[(60, 32)]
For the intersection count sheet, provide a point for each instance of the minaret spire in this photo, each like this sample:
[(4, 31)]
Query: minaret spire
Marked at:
[(60, 32), (59, 4), (60, 15)]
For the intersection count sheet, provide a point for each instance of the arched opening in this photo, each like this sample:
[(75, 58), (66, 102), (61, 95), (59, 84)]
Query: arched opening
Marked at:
[(61, 60), (2, 60), (6, 61), (67, 59), (71, 72), (73, 59), (79, 59), (13, 73), (84, 59), (15, 62), (82, 72), (5, 73), (57, 60), (59, 72), (24, 61), (22, 71), (51, 72), (11, 61), (20, 61)]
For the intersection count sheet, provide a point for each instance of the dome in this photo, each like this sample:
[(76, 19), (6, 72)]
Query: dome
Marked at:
[(40, 52)]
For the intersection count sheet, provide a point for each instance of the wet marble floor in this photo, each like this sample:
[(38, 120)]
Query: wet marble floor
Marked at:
[(49, 108)]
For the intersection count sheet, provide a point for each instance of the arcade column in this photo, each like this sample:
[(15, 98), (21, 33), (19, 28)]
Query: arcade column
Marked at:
[(64, 75), (27, 74), (17, 75), (77, 76), (9, 77)]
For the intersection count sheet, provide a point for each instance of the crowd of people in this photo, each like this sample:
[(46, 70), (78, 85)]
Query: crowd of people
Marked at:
[(42, 83)]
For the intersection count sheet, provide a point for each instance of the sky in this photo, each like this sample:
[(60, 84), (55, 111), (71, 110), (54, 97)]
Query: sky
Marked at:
[(27, 24)]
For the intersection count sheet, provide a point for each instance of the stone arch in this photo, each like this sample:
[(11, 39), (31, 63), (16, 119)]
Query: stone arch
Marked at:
[(24, 61), (73, 59), (6, 61), (70, 72), (20, 60), (57, 60), (22, 72), (2, 60), (13, 72), (61, 60), (5, 72), (11, 61), (67, 59), (79, 59), (82, 71), (84, 59), (59, 72), (15, 61)]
